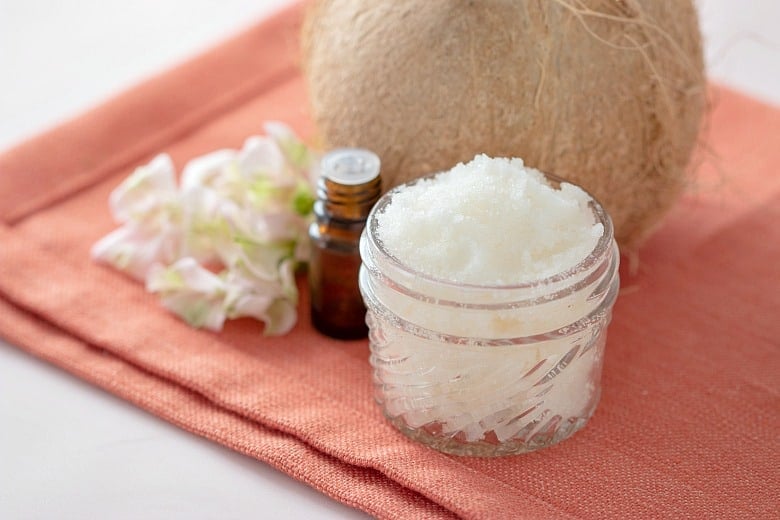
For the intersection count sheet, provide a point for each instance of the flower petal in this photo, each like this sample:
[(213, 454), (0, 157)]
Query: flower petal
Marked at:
[(147, 188), (186, 274), (295, 152), (207, 169), (260, 158), (280, 318), (196, 312), (190, 291), (207, 223), (134, 249), (259, 260), (262, 300)]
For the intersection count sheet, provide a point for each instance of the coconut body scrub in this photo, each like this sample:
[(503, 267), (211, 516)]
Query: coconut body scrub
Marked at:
[(489, 289)]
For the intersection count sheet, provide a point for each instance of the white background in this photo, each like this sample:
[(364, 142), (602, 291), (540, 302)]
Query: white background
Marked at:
[(69, 450)]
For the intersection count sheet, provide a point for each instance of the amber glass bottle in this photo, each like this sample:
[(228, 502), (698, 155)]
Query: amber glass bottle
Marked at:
[(348, 187)]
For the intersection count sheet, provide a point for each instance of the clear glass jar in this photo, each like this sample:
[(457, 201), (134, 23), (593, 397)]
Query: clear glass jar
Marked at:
[(487, 370)]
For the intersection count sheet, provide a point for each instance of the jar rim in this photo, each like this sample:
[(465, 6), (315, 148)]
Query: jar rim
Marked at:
[(595, 316), (596, 256)]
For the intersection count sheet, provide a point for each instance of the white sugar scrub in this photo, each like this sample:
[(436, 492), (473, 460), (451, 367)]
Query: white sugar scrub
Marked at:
[(490, 221), (489, 288)]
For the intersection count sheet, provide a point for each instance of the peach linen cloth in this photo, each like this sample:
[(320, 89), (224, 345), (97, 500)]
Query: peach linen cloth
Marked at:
[(688, 423)]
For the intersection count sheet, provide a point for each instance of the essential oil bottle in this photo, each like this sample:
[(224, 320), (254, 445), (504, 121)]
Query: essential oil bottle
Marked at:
[(348, 187)]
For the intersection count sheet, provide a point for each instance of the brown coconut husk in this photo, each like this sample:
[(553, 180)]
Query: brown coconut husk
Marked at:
[(606, 94)]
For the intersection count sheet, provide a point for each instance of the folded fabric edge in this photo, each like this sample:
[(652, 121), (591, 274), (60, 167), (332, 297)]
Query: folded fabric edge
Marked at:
[(26, 290), (339, 480)]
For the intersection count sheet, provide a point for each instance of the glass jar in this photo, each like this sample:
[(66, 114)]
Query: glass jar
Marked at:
[(487, 370)]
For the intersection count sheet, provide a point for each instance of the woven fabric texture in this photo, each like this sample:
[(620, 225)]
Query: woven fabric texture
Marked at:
[(689, 418)]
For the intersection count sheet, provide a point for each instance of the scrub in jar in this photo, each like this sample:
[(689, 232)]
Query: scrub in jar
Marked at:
[(489, 288)]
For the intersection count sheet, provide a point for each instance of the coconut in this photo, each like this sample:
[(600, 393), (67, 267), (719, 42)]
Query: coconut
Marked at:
[(606, 94)]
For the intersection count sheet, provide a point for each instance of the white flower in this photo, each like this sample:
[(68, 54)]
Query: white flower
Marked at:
[(261, 159), (190, 291), (211, 171), (148, 194), (265, 300), (148, 205), (207, 223), (243, 212), (296, 153), (135, 249)]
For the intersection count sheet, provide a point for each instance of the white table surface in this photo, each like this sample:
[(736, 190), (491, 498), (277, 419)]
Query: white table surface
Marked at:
[(70, 450)]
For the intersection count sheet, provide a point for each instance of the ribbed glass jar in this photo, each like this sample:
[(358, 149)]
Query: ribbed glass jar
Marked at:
[(487, 370)]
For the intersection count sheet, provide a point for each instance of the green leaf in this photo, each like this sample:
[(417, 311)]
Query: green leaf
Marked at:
[(303, 200)]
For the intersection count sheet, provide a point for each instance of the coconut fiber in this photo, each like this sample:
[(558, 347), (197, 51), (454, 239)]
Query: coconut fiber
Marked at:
[(606, 94)]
